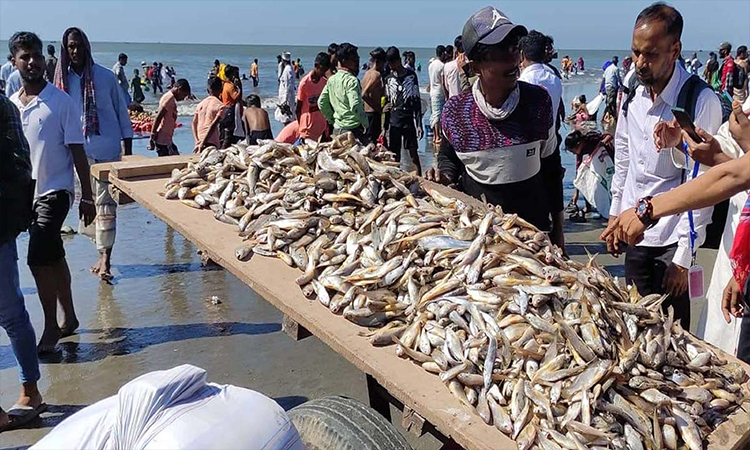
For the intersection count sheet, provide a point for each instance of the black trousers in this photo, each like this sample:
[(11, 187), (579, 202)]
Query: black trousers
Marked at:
[(646, 267), (374, 126)]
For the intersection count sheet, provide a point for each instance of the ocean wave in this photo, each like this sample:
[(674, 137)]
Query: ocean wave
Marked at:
[(187, 108)]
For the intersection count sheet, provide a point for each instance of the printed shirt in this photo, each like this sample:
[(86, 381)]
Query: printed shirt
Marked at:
[(402, 96), (169, 122), (312, 123), (727, 73), (51, 122), (641, 171), (341, 101), (112, 109), (205, 113), (501, 160), (15, 159)]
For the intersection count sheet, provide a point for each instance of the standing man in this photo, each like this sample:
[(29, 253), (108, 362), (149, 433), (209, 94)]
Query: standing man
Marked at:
[(205, 124), (437, 92), (534, 71), (373, 92), (743, 69), (285, 112), (119, 70), (659, 264), (341, 100), (333, 48), (611, 87), (403, 123), (254, 72), (409, 59), (52, 125), (50, 63), (6, 68), (106, 129), (162, 130), (452, 72), (727, 68), (312, 123)]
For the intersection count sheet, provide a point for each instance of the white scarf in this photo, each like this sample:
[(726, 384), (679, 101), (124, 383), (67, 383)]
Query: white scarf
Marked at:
[(491, 112)]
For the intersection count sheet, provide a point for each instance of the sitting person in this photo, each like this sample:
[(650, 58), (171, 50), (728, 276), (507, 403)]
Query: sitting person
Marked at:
[(256, 122), (289, 134)]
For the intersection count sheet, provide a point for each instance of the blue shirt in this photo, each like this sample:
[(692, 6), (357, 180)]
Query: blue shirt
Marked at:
[(13, 83), (112, 109)]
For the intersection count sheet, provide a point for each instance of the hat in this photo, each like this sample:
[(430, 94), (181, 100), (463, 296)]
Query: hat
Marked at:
[(143, 63), (725, 45), (487, 26), (615, 59), (286, 56)]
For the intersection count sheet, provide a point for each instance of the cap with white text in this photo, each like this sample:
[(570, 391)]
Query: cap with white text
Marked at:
[(487, 26)]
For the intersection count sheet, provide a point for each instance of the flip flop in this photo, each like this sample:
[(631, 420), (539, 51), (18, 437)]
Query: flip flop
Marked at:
[(20, 415)]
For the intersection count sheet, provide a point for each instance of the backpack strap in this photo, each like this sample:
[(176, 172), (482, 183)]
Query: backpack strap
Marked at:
[(626, 103), (689, 93)]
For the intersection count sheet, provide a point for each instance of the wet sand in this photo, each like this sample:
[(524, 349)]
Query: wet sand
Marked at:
[(159, 314)]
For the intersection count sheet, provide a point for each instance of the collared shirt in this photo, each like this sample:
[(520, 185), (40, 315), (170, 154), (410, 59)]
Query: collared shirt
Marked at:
[(5, 70), (543, 76), (727, 74), (341, 101), (51, 123), (641, 171), (112, 109), (13, 83), (612, 77)]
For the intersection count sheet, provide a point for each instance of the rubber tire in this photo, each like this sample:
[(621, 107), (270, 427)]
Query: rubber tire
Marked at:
[(340, 423)]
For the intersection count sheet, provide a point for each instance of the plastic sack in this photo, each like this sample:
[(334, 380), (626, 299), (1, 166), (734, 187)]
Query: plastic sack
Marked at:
[(594, 180), (177, 409)]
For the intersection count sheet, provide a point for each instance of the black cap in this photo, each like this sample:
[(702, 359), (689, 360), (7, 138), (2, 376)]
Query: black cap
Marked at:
[(487, 26)]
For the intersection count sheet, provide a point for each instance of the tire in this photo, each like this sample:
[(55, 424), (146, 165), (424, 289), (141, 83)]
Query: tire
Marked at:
[(339, 423)]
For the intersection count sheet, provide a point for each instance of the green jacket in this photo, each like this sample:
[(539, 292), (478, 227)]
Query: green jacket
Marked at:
[(341, 101)]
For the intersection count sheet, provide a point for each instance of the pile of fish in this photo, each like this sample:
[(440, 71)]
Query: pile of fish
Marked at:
[(554, 353)]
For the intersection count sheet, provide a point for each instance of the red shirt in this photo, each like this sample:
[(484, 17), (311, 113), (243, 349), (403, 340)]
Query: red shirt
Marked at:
[(727, 70)]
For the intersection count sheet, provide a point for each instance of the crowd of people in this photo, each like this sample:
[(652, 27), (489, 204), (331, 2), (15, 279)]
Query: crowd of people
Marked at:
[(497, 111)]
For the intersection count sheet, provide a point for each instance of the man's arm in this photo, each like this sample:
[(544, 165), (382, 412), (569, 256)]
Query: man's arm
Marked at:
[(194, 127), (157, 122), (324, 104), (708, 117)]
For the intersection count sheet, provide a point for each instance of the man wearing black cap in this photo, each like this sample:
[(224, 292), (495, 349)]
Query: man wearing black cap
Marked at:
[(498, 137)]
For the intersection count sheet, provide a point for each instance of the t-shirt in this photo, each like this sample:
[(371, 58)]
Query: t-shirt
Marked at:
[(612, 77), (122, 79), (402, 95), (206, 112), (452, 78), (51, 122), (229, 93), (436, 78), (289, 134), (49, 72), (312, 123), (168, 124)]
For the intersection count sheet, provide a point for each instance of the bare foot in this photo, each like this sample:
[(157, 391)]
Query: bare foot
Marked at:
[(69, 328), (95, 269), (48, 341), (32, 399)]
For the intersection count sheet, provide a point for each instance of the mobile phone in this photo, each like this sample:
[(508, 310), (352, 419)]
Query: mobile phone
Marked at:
[(686, 123)]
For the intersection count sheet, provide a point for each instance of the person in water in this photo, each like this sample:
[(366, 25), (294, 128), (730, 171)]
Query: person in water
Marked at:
[(255, 119)]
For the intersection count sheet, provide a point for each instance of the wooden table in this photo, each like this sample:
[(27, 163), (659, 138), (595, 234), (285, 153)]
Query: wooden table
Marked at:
[(426, 403)]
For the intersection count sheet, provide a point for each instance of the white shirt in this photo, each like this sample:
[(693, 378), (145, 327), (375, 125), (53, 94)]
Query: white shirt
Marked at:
[(452, 80), (612, 77), (51, 122), (119, 72), (5, 70), (112, 109), (641, 171), (541, 75), (436, 78)]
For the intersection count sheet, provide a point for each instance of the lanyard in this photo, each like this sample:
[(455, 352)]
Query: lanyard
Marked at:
[(693, 234)]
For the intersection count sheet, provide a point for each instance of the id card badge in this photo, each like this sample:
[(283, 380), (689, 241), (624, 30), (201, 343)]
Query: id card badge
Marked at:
[(695, 283)]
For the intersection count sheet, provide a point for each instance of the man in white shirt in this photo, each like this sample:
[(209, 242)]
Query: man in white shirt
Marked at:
[(119, 70), (5, 71), (533, 48), (437, 91), (106, 126), (52, 125), (451, 70), (611, 87), (285, 112), (659, 263)]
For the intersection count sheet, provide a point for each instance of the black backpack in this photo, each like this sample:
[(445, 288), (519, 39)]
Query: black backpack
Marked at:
[(687, 99)]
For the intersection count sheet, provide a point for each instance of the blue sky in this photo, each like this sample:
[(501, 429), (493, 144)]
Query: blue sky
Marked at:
[(575, 24)]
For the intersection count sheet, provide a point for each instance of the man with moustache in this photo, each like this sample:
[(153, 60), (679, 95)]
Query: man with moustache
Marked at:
[(499, 136), (659, 264)]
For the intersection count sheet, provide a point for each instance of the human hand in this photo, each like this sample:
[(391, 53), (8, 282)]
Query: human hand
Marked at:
[(667, 134), (675, 280), (420, 132), (626, 228), (86, 211), (151, 144), (739, 126), (434, 174), (608, 236), (732, 301), (707, 152)]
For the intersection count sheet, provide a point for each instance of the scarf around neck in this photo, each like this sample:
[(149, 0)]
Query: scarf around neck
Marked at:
[(91, 117), (490, 111)]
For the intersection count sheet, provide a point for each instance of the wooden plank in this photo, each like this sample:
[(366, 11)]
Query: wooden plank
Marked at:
[(101, 171), (274, 280), (150, 166), (417, 389)]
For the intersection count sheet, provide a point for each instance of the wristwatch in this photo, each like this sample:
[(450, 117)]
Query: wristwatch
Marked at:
[(645, 212)]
